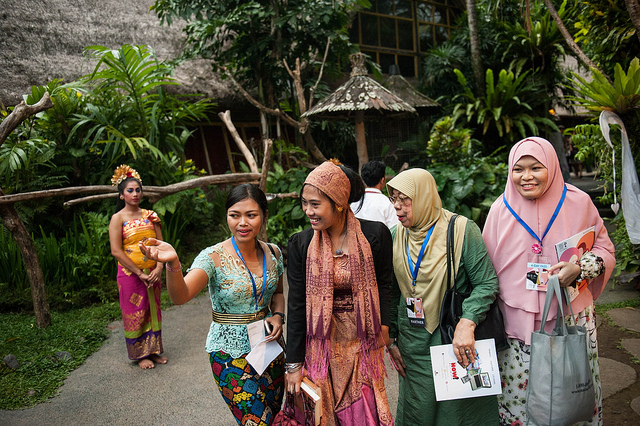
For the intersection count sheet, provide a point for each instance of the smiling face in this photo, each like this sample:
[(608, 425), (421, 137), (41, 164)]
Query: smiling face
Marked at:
[(530, 177), (318, 208), (245, 219), (403, 206), (132, 193)]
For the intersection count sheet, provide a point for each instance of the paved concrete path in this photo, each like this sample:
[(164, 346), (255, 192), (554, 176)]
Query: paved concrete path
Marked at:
[(619, 376), (109, 390)]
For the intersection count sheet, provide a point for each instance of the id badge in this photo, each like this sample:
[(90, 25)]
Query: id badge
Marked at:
[(537, 276), (415, 311)]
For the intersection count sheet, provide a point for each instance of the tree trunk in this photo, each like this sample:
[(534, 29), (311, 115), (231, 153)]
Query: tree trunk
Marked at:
[(12, 221), (310, 145), (303, 127), (633, 7), (476, 60), (568, 38)]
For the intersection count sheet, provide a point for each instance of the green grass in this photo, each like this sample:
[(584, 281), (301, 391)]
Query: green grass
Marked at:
[(631, 303), (80, 332)]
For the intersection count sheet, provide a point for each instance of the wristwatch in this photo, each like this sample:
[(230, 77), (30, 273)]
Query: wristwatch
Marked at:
[(280, 314)]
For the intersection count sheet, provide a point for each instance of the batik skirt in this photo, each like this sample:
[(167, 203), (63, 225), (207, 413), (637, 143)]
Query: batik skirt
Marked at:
[(514, 372), (141, 315), (253, 399)]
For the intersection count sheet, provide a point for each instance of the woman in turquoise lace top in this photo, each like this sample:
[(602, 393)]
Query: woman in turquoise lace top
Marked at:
[(234, 272)]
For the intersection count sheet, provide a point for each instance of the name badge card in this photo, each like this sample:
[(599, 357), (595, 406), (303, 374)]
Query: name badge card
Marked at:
[(415, 311), (537, 276)]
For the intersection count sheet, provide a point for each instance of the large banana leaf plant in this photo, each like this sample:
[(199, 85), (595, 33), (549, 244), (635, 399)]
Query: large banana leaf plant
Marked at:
[(599, 94), (128, 110), (505, 106)]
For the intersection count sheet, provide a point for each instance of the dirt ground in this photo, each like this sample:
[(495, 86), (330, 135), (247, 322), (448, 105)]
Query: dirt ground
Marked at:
[(616, 408)]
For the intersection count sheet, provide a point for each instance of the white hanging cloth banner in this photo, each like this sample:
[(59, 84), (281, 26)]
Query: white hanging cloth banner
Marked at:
[(630, 191)]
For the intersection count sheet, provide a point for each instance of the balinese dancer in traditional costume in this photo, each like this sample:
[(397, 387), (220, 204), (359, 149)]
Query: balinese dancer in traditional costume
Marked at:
[(539, 226), (244, 277), (339, 273), (139, 278)]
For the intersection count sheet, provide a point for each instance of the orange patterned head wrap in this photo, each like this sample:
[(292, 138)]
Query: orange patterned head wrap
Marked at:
[(331, 180)]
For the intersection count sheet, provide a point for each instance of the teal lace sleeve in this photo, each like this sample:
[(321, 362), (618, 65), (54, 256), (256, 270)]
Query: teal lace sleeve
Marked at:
[(203, 261)]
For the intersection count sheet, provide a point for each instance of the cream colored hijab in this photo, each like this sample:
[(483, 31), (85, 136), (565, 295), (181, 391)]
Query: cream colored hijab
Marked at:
[(419, 185)]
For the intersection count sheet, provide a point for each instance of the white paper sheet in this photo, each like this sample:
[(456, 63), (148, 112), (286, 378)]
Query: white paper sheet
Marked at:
[(262, 353), (452, 381)]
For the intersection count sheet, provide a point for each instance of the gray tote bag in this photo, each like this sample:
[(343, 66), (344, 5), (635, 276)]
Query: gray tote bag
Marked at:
[(560, 388)]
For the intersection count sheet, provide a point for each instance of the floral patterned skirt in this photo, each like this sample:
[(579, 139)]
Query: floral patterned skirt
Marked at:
[(253, 399), (514, 372)]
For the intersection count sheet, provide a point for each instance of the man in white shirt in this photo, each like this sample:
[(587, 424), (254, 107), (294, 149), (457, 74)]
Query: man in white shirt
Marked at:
[(375, 205)]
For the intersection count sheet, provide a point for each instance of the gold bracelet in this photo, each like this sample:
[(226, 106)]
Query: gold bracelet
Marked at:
[(172, 269)]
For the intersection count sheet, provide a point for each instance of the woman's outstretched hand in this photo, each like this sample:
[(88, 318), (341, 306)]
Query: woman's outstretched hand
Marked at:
[(158, 250)]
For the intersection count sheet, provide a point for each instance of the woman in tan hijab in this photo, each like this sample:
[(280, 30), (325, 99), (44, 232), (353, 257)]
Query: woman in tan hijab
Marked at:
[(424, 223)]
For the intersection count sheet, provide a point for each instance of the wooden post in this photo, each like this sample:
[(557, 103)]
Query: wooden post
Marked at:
[(361, 140), (266, 164)]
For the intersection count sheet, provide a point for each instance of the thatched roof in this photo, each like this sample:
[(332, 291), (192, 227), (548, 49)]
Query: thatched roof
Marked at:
[(403, 89), (44, 39), (359, 93)]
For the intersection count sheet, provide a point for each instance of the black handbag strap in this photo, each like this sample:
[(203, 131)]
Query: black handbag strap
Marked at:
[(272, 250), (451, 265)]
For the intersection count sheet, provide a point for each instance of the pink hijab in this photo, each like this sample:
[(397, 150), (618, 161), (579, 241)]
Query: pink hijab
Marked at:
[(509, 244)]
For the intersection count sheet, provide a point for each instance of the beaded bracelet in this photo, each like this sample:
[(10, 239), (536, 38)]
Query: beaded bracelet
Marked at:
[(171, 269)]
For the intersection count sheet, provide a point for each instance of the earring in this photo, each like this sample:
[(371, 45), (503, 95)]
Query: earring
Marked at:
[(339, 209), (122, 197)]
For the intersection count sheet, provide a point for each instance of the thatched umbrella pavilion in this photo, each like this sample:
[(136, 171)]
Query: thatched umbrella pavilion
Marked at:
[(360, 98), (398, 85)]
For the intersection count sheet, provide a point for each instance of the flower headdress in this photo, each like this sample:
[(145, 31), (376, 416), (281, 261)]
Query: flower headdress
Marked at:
[(122, 172)]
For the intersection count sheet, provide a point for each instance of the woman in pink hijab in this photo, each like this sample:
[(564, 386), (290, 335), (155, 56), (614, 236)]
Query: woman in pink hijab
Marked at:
[(540, 226)]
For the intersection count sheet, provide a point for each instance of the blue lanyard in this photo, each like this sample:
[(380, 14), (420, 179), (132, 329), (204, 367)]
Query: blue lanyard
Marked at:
[(264, 272), (525, 226), (414, 270)]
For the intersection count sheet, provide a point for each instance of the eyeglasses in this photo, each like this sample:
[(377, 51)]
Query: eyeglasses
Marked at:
[(402, 199)]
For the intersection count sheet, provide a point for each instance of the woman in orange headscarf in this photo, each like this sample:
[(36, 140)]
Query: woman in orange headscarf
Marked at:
[(339, 273)]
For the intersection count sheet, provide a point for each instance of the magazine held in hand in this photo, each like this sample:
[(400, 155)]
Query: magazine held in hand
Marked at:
[(453, 381)]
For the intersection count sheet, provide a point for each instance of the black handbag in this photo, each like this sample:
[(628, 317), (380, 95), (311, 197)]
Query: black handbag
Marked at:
[(451, 310)]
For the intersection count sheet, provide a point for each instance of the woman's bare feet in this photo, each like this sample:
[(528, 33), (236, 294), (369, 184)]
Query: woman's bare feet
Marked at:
[(146, 363), (159, 359)]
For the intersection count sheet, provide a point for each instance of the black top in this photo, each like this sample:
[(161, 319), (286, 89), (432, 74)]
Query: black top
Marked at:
[(379, 238)]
